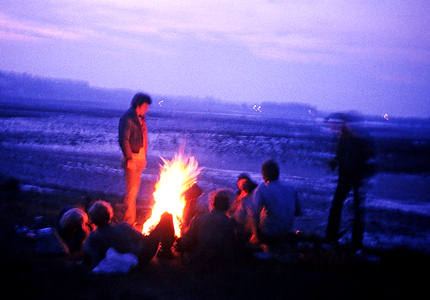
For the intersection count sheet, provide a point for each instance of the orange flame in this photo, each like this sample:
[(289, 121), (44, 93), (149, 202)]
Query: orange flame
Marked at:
[(176, 177)]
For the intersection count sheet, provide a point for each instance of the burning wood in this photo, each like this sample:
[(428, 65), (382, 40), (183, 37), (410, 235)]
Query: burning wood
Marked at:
[(176, 177)]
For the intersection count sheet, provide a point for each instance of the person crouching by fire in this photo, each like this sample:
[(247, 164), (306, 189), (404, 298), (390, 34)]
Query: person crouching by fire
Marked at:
[(122, 237), (213, 238), (133, 140)]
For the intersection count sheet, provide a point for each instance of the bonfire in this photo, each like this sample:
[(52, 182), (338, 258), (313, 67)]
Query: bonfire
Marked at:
[(176, 177)]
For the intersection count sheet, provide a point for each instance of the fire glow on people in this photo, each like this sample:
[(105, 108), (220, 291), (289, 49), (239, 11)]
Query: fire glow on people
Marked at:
[(176, 177)]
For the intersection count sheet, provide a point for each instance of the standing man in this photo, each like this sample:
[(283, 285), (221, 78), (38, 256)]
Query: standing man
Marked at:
[(353, 155), (133, 139)]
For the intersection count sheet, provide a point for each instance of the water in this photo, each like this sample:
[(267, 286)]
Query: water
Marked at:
[(77, 148)]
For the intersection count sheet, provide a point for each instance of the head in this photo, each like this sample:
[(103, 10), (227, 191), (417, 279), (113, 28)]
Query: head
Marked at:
[(342, 123), (221, 199), (241, 179), (270, 170), (244, 183), (101, 213), (74, 218), (140, 103)]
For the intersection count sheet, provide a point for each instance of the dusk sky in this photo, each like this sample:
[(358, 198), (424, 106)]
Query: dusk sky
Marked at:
[(370, 56)]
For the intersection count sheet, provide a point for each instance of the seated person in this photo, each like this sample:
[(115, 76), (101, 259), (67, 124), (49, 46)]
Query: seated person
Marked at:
[(213, 237), (122, 237), (73, 227), (242, 208), (191, 209), (276, 206), (241, 179)]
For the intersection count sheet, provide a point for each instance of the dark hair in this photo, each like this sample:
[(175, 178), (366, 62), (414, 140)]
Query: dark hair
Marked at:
[(243, 176), (101, 213), (270, 170), (139, 99), (221, 200), (249, 185)]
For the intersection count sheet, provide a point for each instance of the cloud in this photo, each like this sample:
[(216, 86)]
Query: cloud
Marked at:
[(6, 35), (305, 31), (308, 31), (30, 30)]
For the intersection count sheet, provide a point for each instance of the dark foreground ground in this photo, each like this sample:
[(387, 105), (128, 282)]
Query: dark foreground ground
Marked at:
[(319, 273)]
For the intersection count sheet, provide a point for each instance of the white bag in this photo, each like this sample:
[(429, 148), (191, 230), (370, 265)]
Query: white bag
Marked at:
[(115, 262)]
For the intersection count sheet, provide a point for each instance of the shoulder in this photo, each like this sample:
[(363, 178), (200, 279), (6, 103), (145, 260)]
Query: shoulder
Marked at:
[(260, 187), (221, 220), (126, 231), (260, 191), (127, 116), (93, 238), (123, 226), (198, 219)]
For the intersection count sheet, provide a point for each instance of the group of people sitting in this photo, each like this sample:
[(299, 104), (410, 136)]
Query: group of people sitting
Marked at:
[(233, 227)]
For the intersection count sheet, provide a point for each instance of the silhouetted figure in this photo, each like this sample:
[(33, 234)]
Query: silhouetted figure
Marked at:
[(276, 207), (213, 238), (73, 227), (352, 160), (133, 139), (244, 177), (190, 209), (124, 238), (243, 207)]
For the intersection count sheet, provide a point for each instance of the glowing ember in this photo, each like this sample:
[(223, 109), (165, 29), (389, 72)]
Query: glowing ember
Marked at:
[(176, 177)]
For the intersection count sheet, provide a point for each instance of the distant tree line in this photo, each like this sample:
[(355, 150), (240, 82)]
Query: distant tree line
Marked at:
[(23, 85)]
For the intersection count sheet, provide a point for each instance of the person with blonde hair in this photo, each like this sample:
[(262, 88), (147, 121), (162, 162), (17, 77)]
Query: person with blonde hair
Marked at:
[(73, 228), (123, 237)]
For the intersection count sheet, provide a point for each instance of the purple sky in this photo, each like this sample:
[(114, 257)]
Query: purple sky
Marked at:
[(372, 56)]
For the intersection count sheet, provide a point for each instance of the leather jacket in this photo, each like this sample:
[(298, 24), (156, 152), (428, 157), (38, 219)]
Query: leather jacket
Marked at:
[(132, 136)]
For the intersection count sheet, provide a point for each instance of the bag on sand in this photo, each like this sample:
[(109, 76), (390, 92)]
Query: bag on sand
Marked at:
[(115, 262)]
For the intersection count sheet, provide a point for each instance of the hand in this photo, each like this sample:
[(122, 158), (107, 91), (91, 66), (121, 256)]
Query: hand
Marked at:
[(130, 164)]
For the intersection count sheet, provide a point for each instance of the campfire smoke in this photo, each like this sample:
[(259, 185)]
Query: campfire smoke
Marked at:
[(176, 177)]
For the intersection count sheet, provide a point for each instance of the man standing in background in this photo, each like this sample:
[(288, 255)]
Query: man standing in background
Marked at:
[(353, 158), (133, 140)]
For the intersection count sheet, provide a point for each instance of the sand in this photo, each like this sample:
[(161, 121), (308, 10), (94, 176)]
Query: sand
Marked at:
[(319, 273)]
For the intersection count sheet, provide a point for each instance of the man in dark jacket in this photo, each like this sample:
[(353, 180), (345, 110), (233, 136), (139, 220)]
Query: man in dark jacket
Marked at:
[(133, 139), (213, 238), (352, 159)]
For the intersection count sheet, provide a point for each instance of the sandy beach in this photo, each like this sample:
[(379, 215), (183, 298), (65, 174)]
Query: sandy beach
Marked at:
[(319, 273), (68, 158)]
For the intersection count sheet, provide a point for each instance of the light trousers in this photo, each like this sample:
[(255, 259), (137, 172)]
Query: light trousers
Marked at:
[(132, 185)]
